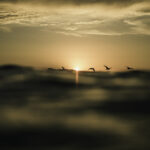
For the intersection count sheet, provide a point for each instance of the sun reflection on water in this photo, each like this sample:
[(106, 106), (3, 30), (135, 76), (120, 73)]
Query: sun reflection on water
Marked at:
[(77, 75)]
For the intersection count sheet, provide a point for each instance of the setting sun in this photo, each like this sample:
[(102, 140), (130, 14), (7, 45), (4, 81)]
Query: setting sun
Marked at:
[(76, 69), (74, 74)]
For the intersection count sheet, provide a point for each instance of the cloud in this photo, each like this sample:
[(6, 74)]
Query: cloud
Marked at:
[(141, 24), (78, 2), (78, 21)]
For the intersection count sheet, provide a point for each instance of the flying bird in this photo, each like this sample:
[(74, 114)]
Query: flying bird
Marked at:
[(63, 68), (92, 69), (129, 68), (107, 68)]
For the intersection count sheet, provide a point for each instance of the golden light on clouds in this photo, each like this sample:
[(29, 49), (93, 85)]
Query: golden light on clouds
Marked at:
[(78, 21), (75, 33)]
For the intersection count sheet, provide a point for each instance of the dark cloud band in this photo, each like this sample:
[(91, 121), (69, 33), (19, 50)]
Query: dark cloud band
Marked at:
[(78, 2)]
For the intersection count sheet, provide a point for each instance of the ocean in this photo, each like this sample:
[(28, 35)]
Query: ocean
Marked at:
[(69, 110)]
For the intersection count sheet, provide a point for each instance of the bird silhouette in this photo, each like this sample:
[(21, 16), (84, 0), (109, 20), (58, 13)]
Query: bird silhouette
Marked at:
[(63, 68), (92, 69), (107, 68), (129, 68)]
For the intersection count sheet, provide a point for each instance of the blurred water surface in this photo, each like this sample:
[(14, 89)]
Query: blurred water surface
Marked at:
[(42, 110)]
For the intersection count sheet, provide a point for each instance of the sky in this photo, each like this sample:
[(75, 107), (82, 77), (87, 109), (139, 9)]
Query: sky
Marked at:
[(75, 33)]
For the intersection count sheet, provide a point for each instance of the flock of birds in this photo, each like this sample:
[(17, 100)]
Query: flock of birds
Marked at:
[(93, 69), (109, 68), (106, 68)]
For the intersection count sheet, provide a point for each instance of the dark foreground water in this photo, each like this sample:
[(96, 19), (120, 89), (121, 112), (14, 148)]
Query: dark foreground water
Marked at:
[(46, 110)]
